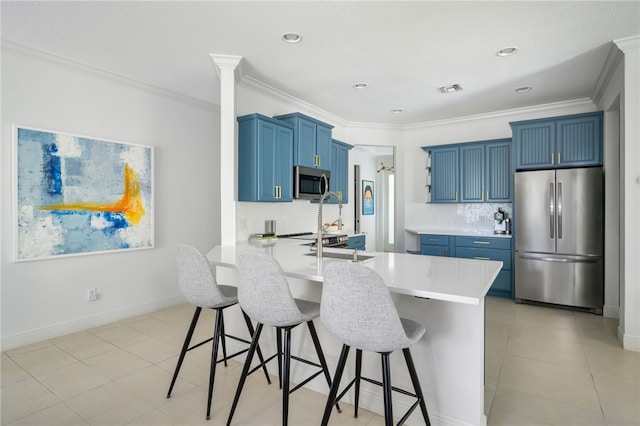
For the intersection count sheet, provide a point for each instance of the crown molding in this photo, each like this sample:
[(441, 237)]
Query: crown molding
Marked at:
[(628, 44), (576, 103), (228, 62), (25, 51), (614, 58)]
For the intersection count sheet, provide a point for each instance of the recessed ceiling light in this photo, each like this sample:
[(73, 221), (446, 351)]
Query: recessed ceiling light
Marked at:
[(397, 110), (450, 89), (360, 86), (507, 51), (291, 38), (523, 89)]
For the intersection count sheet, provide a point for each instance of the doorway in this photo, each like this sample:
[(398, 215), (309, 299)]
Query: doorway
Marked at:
[(375, 165)]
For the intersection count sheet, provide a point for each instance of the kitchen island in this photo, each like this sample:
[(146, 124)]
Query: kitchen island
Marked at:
[(445, 294)]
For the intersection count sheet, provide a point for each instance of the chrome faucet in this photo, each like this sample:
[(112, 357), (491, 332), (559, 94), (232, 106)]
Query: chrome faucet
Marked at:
[(326, 195)]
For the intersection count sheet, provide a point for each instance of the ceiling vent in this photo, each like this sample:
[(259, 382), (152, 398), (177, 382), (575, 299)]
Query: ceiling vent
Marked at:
[(451, 89)]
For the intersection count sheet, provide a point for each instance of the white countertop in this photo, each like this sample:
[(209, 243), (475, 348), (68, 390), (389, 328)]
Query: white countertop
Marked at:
[(441, 278), (459, 232)]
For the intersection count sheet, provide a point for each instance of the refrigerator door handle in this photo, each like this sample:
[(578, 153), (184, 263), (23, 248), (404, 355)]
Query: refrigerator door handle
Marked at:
[(551, 210), (558, 259), (559, 210)]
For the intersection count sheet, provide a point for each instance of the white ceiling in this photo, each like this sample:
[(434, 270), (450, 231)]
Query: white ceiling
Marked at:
[(403, 50)]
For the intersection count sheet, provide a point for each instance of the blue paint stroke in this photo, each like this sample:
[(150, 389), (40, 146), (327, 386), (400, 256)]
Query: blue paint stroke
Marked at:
[(52, 169)]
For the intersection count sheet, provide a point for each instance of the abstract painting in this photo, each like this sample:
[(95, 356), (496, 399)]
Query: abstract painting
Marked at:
[(76, 195)]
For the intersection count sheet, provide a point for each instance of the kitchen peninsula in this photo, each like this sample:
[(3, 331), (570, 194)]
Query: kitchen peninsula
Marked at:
[(447, 295)]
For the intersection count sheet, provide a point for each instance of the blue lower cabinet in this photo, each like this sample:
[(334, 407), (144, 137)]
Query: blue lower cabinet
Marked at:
[(357, 242), (481, 248), (487, 248)]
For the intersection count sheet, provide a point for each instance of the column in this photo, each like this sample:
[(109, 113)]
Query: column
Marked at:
[(226, 67)]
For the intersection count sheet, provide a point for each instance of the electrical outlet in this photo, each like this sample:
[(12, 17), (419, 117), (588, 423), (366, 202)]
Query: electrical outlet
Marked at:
[(92, 294)]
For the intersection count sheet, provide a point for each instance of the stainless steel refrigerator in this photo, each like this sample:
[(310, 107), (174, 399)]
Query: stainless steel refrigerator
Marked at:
[(559, 237)]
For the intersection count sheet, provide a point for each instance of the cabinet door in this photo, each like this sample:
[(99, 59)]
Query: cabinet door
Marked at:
[(534, 145), (444, 175), (323, 147), (339, 171), (472, 173), (579, 141), (306, 145), (275, 166), (498, 172), (284, 163)]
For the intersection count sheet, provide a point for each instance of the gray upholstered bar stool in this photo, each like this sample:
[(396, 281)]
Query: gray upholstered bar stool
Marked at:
[(356, 306), (264, 294), (198, 284)]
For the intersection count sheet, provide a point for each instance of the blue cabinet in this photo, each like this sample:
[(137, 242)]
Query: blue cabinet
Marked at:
[(339, 171), (444, 174), (567, 141), (490, 248), (473, 172), (437, 245), (312, 141), (357, 242), (498, 171), (265, 159)]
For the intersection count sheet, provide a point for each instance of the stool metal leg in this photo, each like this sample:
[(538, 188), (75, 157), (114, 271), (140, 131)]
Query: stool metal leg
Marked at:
[(247, 320), (358, 375), (224, 340), (185, 346), (386, 390), (416, 384), (323, 361), (333, 393), (218, 330), (286, 372), (245, 370), (279, 352)]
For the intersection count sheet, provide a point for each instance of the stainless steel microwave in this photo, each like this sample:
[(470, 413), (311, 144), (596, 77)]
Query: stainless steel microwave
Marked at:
[(309, 183)]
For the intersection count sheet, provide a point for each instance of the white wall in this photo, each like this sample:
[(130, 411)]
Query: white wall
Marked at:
[(41, 299)]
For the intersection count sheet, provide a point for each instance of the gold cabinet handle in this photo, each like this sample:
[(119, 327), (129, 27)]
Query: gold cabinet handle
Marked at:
[(480, 242), (558, 157), (487, 195), (552, 158), (456, 195), (481, 258)]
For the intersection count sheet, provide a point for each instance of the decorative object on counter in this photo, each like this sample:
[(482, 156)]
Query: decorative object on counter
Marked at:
[(263, 239), (349, 290), (367, 197), (77, 195), (264, 294), (198, 284)]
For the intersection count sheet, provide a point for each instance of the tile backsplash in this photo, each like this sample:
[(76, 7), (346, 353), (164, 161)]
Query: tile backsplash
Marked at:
[(472, 216)]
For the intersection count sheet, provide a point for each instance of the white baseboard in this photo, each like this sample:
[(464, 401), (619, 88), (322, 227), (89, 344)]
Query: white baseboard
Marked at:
[(611, 311), (34, 336), (630, 343)]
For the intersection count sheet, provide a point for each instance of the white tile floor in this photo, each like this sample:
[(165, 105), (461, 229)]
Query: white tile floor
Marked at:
[(543, 367)]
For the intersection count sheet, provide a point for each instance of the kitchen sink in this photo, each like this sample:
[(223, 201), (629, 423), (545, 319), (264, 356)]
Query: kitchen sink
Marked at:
[(346, 256)]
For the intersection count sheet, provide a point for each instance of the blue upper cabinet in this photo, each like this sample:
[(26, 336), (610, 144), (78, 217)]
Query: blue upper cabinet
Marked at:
[(498, 171), (265, 159), (567, 141), (472, 173), (444, 174), (340, 170), (312, 141)]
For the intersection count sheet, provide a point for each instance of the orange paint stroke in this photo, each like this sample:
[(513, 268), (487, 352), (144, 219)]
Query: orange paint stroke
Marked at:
[(130, 204)]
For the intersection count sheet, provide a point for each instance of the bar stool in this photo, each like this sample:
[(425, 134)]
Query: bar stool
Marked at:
[(356, 306), (198, 284), (264, 293)]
